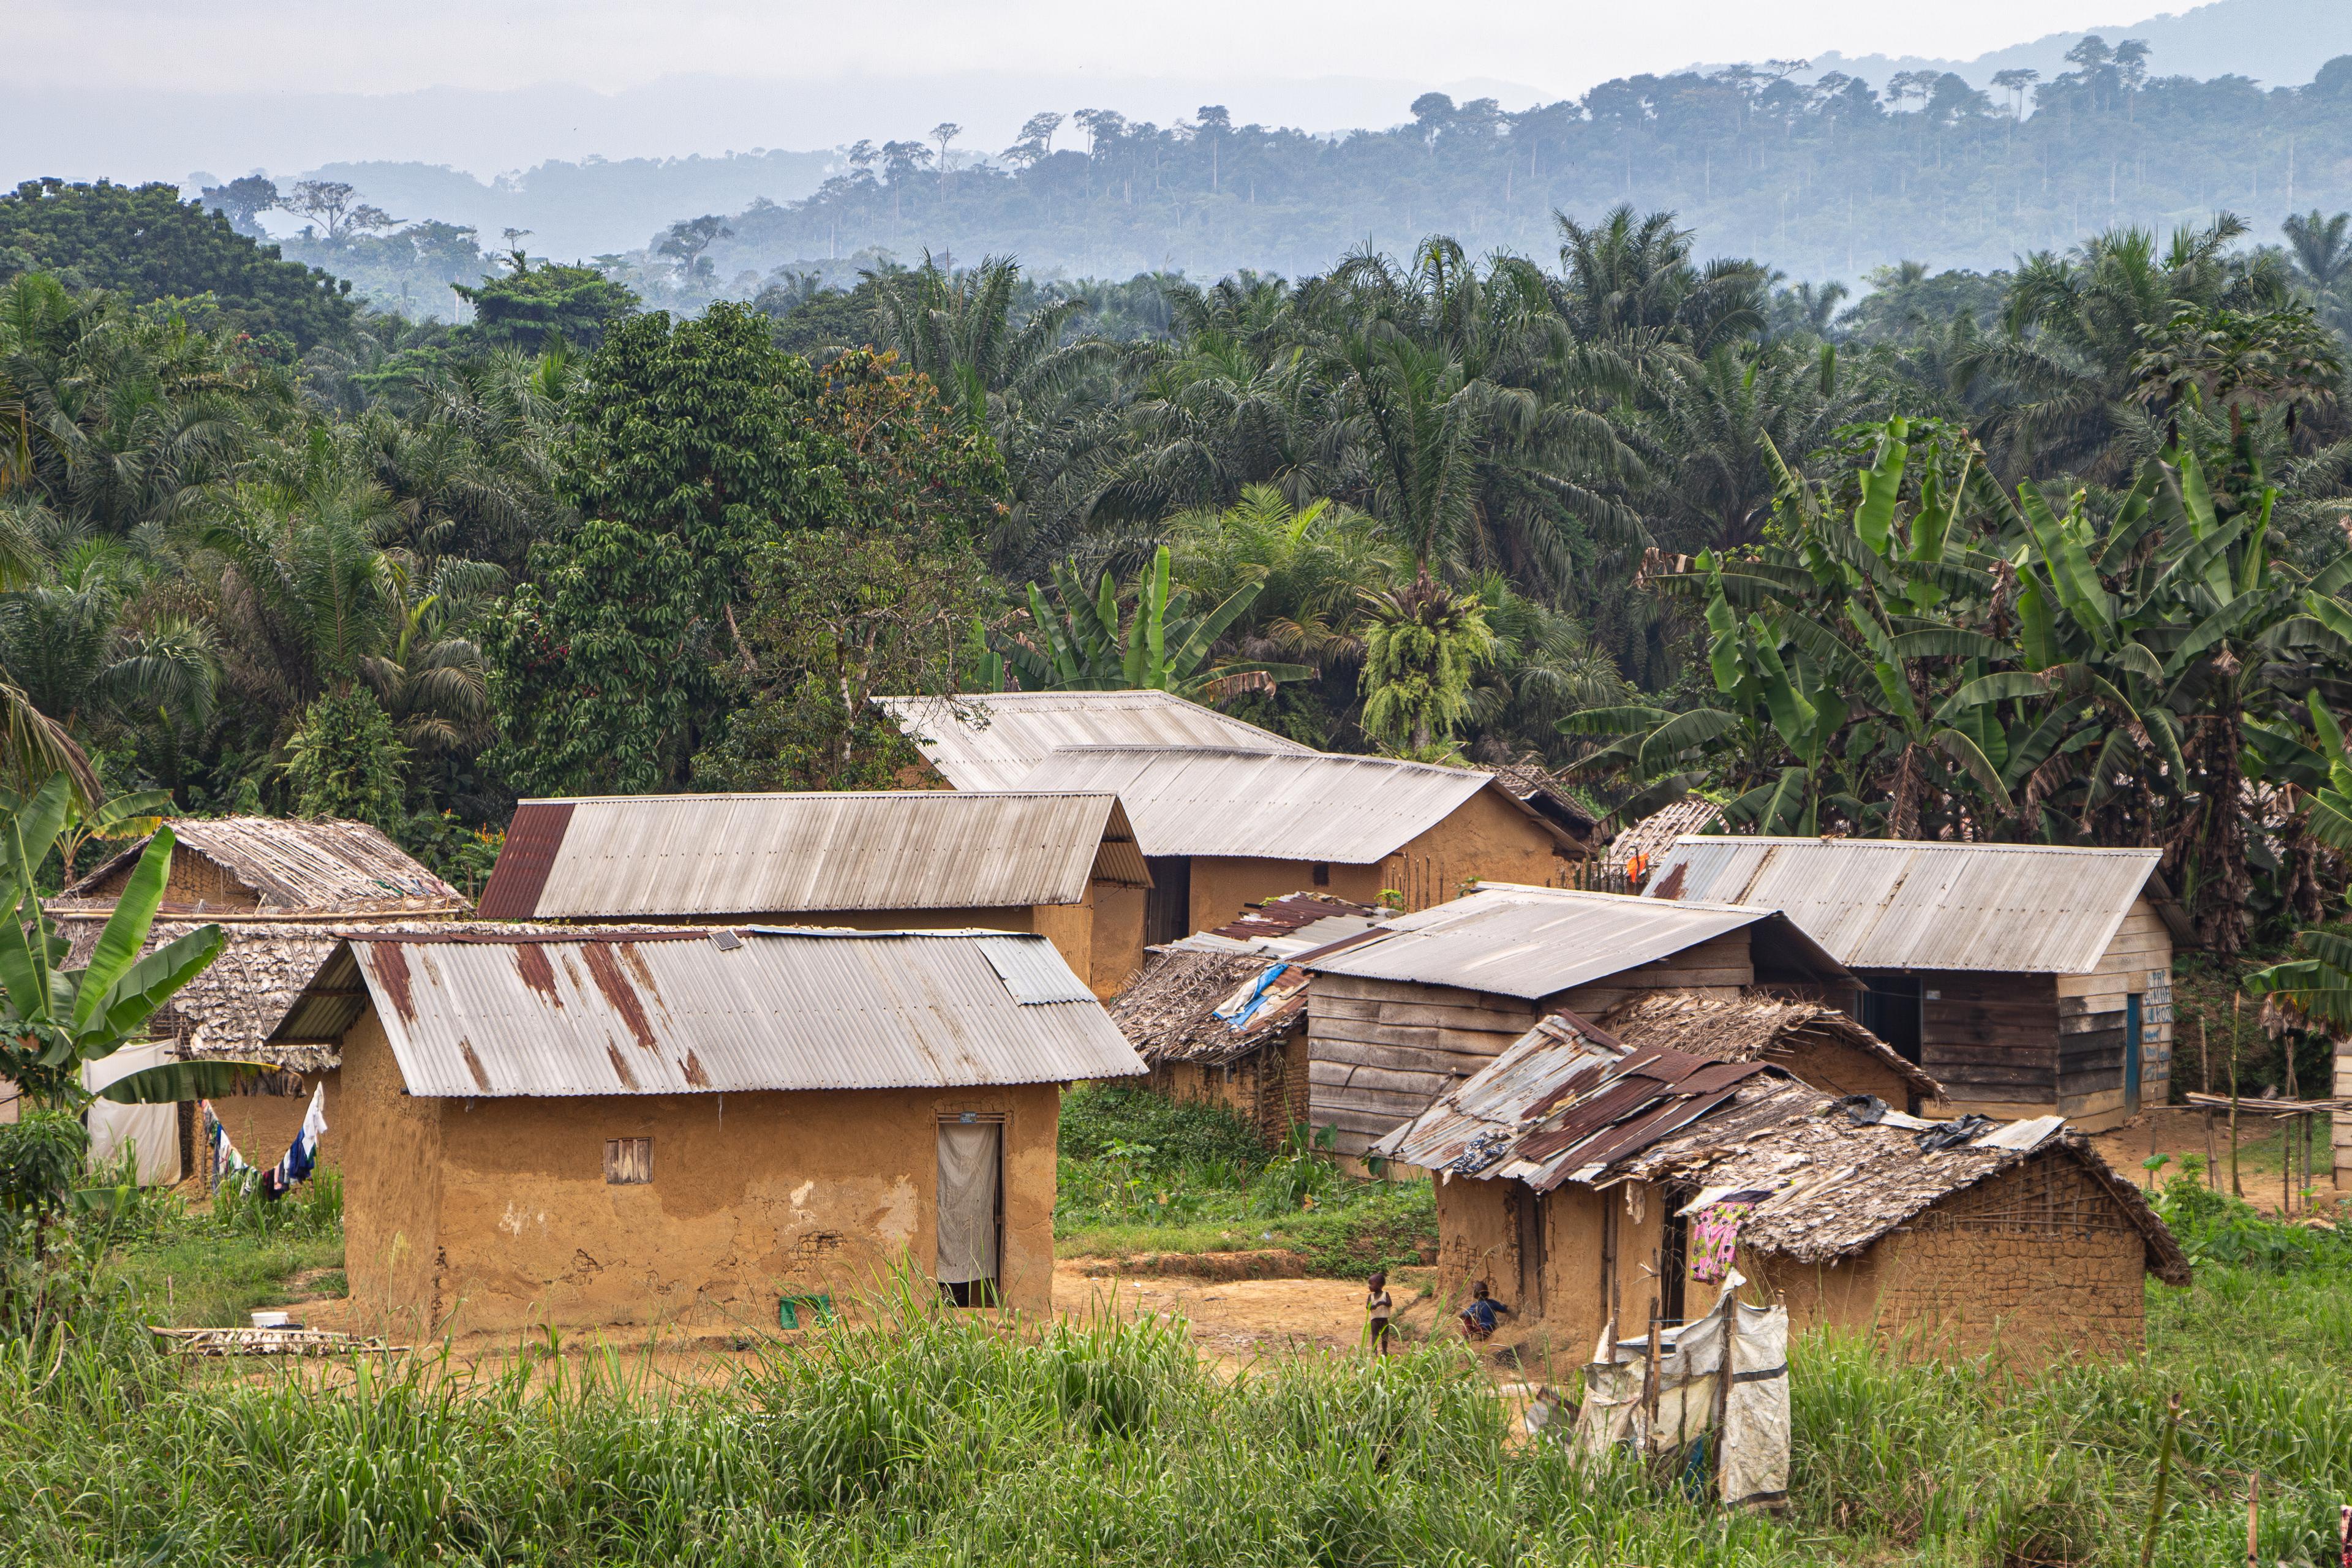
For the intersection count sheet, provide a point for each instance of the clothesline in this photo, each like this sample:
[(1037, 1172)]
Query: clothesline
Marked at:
[(301, 1156)]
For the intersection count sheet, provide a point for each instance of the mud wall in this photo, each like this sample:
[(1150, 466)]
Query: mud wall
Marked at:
[(390, 1146), (752, 1196), (262, 1126), (1485, 839)]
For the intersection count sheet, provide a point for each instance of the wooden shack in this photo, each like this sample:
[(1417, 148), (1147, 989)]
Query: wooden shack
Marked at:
[(1062, 864), (1396, 1018), (682, 1125), (1221, 1017), (2025, 978), (1589, 1182)]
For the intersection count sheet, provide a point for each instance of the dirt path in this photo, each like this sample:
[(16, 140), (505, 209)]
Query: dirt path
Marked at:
[(1237, 1319), (2179, 1131)]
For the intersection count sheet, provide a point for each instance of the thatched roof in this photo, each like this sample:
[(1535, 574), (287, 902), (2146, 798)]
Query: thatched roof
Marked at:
[(1170, 1013), (292, 865), (1648, 841), (1753, 1028), (231, 1009), (1832, 1187)]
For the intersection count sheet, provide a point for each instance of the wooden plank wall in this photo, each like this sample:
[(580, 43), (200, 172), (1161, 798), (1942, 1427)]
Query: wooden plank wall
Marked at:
[(1991, 1041), (1379, 1050), (2091, 1014)]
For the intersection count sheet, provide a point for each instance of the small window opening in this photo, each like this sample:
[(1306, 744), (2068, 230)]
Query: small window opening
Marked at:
[(1322, 874), (628, 1161)]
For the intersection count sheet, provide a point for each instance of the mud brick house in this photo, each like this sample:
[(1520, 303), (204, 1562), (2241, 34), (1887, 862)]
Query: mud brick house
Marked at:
[(2025, 978), (1061, 865), (1229, 814), (689, 1125), (1221, 1017), (275, 887), (1398, 1016), (1591, 1182)]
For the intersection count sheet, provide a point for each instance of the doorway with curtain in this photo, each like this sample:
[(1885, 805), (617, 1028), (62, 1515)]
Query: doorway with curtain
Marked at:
[(970, 1208)]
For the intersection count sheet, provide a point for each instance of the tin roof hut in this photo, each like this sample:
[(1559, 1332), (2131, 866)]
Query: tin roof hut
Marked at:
[(276, 866), (674, 1123), (1602, 1182), (2025, 978), (1397, 1015), (1062, 864)]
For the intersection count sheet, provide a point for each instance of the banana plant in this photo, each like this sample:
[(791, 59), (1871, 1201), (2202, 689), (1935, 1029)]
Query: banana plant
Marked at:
[(1089, 644), (53, 1020)]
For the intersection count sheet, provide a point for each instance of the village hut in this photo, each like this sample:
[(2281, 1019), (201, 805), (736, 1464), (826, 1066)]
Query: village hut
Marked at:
[(1589, 1182), (2025, 978), (1224, 828), (276, 888), (676, 1124), (1056, 864), (269, 866), (1398, 1015), (1816, 1044), (1230, 813), (1221, 1017)]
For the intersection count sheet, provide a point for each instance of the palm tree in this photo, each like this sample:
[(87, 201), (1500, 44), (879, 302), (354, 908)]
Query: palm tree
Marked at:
[(1422, 650)]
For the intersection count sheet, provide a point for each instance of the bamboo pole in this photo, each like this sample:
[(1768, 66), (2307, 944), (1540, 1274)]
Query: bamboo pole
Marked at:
[(2253, 1517), (2236, 1002), (2163, 1478), (2204, 1055), (2212, 1156)]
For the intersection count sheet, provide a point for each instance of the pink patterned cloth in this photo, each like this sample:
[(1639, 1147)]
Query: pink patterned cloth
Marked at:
[(1714, 1237)]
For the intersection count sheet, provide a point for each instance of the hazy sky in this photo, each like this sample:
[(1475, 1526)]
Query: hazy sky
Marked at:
[(1560, 46)]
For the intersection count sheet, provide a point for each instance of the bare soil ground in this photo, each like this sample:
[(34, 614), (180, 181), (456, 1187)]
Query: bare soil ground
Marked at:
[(2181, 1131)]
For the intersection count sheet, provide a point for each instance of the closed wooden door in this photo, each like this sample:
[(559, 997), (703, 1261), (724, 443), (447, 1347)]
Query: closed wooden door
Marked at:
[(2131, 1055)]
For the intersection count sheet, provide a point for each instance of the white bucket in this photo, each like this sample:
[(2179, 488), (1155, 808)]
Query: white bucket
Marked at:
[(269, 1319)]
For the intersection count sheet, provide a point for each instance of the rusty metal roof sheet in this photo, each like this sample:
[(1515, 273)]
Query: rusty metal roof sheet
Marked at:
[(1565, 1098), (993, 740), (629, 857), (1518, 941), (301, 867), (1569, 1103), (1899, 904), (1277, 805), (688, 1011)]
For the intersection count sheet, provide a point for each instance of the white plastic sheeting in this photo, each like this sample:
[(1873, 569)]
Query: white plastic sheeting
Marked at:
[(1751, 1462), (970, 1156), (153, 1129)]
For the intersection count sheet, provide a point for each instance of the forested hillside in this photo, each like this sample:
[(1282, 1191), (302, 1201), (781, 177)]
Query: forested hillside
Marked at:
[(2054, 552), (1819, 176)]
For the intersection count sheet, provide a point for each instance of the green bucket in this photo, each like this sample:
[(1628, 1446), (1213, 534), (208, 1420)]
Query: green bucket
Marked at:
[(818, 1309)]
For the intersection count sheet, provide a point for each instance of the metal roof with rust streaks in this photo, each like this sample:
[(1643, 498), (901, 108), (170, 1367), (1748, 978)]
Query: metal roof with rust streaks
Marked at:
[(993, 740), (1277, 805), (1902, 904), (630, 857), (1518, 941), (691, 1011)]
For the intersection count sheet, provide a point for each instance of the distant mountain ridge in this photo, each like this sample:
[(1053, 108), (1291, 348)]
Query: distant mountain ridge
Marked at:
[(2278, 43)]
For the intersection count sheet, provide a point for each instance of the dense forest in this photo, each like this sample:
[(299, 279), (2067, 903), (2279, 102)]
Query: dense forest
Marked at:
[(2053, 551), (1818, 176)]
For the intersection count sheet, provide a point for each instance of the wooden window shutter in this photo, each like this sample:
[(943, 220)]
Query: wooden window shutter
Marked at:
[(628, 1161)]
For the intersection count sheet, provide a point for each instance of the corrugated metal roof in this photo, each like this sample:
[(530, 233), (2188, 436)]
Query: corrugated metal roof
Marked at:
[(1564, 1099), (1310, 805), (302, 866), (673, 1012), (993, 740), (626, 857), (1033, 972), (1881, 903), (1518, 941)]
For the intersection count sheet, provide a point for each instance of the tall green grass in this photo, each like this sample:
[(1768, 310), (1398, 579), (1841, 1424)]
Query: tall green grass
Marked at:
[(1141, 1173), (938, 1437)]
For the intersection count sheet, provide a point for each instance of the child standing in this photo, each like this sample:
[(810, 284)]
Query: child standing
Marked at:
[(1379, 1311)]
